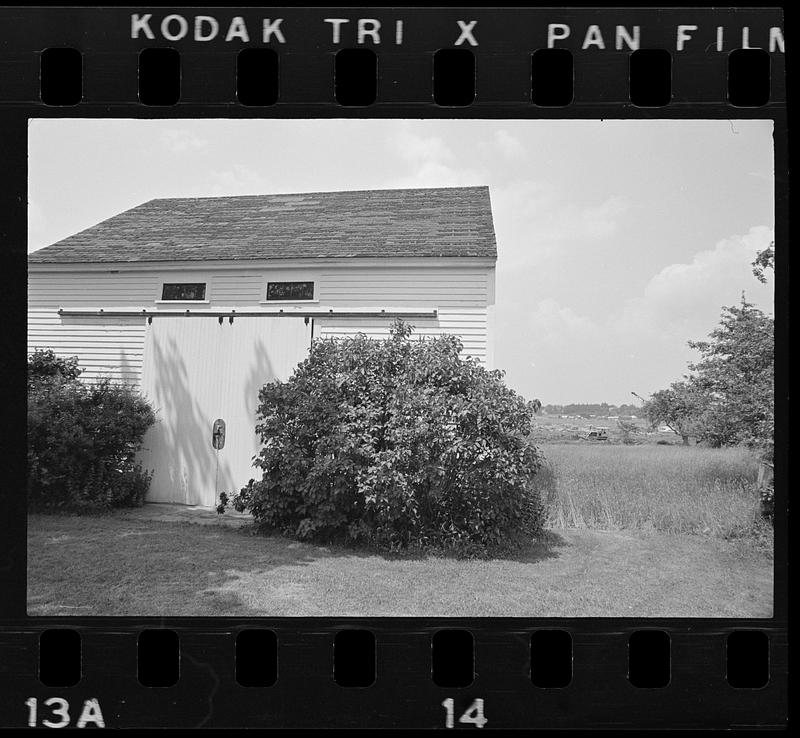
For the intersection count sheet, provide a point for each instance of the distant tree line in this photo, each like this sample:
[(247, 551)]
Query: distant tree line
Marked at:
[(589, 408)]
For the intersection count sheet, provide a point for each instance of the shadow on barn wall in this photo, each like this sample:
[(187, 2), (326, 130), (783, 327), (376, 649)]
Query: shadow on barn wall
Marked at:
[(260, 373), (178, 446), (127, 374), (246, 445)]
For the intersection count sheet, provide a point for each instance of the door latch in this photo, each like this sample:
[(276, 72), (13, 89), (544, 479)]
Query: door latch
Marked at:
[(218, 434)]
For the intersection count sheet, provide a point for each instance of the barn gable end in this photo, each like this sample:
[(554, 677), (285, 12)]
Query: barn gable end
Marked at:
[(98, 295)]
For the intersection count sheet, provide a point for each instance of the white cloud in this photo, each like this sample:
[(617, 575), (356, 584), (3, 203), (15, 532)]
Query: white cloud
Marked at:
[(417, 149), (533, 221), (509, 146), (598, 221), (643, 344), (682, 300), (431, 163), (728, 260), (434, 162), (690, 294), (182, 140), (239, 179), (558, 326), (437, 174)]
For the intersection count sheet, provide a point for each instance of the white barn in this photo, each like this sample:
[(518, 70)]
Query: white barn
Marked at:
[(199, 302)]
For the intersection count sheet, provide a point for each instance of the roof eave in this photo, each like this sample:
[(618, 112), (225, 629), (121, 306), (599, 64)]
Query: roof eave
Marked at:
[(239, 264)]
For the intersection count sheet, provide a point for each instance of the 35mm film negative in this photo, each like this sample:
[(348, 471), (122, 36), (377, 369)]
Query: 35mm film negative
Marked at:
[(262, 469)]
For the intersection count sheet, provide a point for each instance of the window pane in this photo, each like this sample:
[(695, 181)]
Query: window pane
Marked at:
[(290, 290), (184, 291)]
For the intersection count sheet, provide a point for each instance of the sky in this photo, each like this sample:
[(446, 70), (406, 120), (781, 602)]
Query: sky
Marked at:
[(618, 241)]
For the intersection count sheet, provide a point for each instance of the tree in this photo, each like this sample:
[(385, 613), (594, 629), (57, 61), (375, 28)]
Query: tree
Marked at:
[(679, 408), (729, 397), (764, 260), (735, 374)]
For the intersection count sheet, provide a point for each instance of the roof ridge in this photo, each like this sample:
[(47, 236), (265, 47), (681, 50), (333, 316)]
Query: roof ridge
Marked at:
[(319, 192)]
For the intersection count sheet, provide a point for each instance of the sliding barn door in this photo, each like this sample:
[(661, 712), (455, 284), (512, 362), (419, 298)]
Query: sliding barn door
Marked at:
[(197, 370)]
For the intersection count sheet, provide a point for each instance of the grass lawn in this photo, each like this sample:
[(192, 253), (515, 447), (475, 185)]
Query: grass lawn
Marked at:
[(123, 565)]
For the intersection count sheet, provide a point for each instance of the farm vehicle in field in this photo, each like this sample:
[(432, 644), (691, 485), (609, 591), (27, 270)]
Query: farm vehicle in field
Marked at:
[(593, 433)]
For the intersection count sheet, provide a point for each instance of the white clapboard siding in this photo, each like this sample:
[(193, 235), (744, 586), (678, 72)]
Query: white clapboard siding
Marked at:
[(420, 288), (111, 347), (92, 289), (237, 288), (459, 294), (468, 324), (115, 346), (107, 347), (417, 288)]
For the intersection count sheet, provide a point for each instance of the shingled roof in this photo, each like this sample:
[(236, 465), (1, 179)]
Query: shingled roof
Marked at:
[(446, 222)]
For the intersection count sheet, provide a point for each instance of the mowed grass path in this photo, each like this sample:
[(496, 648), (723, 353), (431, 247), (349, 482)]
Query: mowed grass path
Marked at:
[(121, 565)]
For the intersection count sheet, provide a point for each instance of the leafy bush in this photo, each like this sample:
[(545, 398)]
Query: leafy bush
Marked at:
[(396, 443), (44, 366), (82, 439)]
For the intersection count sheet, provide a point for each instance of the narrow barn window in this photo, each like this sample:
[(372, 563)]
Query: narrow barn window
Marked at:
[(290, 290), (184, 291)]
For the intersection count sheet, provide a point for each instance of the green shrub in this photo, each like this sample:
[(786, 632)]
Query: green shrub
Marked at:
[(396, 443), (45, 366), (82, 439)]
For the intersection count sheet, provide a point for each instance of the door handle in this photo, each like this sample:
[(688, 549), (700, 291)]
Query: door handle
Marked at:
[(218, 434)]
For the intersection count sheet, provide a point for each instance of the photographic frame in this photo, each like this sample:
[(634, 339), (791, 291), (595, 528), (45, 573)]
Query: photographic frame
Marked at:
[(503, 88)]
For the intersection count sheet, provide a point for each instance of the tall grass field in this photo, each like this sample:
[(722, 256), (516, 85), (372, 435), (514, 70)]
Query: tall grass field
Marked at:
[(673, 489)]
